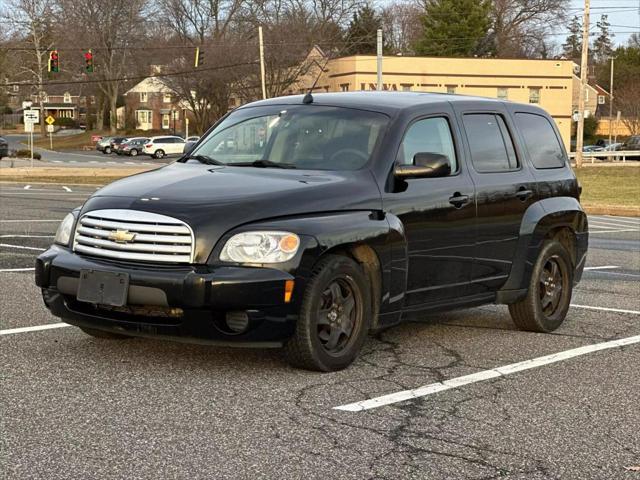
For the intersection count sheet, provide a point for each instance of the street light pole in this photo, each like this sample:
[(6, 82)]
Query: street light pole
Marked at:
[(611, 101), (262, 74), (584, 66)]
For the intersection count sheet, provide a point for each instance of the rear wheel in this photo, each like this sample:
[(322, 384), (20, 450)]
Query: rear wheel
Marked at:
[(334, 317), (133, 152), (102, 334), (107, 150), (159, 154), (547, 302)]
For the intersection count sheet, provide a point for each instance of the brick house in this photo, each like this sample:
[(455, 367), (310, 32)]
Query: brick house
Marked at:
[(152, 105)]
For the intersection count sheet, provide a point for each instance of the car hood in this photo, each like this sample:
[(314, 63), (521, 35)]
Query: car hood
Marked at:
[(213, 200)]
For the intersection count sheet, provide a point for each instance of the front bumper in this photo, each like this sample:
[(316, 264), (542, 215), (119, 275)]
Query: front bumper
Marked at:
[(203, 294)]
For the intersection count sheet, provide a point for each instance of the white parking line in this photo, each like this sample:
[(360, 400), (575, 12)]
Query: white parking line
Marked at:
[(27, 187), (610, 225), (615, 231), (603, 267), (8, 245), (17, 269), (67, 189), (48, 326), (27, 236), (29, 220), (620, 274), (484, 375), (632, 220), (606, 309)]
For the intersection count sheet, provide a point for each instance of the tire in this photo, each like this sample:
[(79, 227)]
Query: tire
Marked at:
[(545, 307), (133, 152), (159, 154), (334, 318), (103, 334), (107, 150)]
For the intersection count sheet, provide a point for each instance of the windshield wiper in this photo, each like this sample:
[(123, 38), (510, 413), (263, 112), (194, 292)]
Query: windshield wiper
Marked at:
[(207, 160), (263, 164)]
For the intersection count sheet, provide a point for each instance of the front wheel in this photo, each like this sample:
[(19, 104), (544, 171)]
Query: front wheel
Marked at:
[(334, 317), (159, 154), (547, 302), (107, 150), (133, 152)]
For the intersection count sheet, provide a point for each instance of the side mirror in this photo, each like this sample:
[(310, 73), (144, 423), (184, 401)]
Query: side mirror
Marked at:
[(425, 164), (188, 147)]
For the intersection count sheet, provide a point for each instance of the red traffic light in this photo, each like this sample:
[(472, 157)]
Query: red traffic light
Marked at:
[(88, 56)]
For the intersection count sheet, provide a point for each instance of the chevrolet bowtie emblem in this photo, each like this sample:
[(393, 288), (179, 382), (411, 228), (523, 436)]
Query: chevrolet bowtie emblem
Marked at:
[(122, 236)]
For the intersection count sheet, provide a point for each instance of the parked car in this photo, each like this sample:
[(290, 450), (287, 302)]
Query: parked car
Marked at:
[(360, 211), (631, 145), (193, 139), (104, 145), (159, 147), (116, 142), (132, 147), (4, 148)]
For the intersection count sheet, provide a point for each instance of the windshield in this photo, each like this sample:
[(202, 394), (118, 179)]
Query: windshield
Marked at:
[(305, 137)]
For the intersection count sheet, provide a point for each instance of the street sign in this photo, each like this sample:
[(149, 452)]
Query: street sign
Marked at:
[(50, 120), (26, 105), (31, 116), (50, 128), (28, 127)]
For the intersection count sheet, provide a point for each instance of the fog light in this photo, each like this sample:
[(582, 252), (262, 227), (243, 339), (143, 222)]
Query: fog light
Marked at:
[(237, 321)]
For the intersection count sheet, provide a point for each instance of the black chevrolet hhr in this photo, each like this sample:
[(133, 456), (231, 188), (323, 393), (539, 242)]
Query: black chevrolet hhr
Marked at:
[(306, 222)]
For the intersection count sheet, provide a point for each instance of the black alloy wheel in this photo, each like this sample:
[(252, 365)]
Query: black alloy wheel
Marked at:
[(549, 296), (335, 316)]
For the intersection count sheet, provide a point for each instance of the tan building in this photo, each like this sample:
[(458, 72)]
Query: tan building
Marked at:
[(548, 83)]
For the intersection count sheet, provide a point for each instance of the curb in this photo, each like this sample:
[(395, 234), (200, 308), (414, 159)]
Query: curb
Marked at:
[(615, 210)]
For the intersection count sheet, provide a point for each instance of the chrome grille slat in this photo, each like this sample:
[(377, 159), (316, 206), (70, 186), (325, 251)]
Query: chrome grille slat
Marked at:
[(156, 238), (141, 237)]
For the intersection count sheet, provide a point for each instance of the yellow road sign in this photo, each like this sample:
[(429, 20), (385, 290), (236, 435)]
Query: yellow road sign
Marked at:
[(50, 120)]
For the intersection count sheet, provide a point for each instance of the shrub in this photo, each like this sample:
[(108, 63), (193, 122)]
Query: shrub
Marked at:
[(27, 154), (66, 123)]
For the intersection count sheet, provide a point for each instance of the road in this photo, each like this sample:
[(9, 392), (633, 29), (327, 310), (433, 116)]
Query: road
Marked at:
[(78, 407), (82, 158)]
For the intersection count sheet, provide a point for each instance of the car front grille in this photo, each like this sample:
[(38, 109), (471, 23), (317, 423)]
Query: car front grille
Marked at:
[(134, 235)]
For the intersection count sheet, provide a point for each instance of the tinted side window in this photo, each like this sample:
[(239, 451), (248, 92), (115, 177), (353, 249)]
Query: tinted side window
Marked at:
[(431, 135), (541, 141), (490, 143)]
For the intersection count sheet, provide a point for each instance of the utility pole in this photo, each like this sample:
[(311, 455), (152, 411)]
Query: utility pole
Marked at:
[(584, 67), (611, 101), (379, 59), (264, 86)]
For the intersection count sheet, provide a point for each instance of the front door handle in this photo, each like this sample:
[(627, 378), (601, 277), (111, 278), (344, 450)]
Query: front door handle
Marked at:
[(458, 200), (523, 193)]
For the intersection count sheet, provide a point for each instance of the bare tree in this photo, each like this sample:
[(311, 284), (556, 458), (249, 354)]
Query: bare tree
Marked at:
[(629, 100), (113, 34), (402, 26), (32, 20)]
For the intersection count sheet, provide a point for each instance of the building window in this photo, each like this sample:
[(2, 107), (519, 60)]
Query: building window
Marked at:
[(16, 88), (451, 89), (601, 100), (166, 98), (503, 93), (143, 97), (165, 121), (534, 95), (143, 119), (344, 87), (67, 97)]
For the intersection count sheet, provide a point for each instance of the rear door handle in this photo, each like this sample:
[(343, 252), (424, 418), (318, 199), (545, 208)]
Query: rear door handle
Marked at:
[(457, 200), (523, 193)]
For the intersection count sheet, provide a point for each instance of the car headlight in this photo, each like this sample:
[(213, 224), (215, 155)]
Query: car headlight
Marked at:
[(63, 234), (260, 247)]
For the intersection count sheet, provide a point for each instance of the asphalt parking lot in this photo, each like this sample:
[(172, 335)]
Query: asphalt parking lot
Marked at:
[(78, 407)]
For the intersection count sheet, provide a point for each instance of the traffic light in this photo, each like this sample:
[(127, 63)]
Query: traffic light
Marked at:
[(199, 60), (88, 60), (54, 61)]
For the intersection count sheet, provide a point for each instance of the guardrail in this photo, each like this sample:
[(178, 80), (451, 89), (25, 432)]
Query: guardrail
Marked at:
[(615, 156)]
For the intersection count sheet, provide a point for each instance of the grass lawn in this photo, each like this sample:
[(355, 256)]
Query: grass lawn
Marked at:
[(610, 185), (67, 142)]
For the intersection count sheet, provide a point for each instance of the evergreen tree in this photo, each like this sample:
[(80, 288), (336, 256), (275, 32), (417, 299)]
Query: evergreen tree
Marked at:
[(572, 47), (361, 36), (455, 28), (602, 46)]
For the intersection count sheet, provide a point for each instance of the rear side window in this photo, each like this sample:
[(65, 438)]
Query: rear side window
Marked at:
[(541, 141), (490, 143), (431, 135)]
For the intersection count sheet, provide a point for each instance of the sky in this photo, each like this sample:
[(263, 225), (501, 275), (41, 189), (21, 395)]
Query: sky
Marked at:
[(624, 16)]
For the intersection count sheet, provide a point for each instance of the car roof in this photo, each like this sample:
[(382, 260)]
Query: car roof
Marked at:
[(387, 102)]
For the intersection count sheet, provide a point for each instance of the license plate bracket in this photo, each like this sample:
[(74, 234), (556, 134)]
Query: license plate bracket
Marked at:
[(103, 288)]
